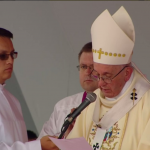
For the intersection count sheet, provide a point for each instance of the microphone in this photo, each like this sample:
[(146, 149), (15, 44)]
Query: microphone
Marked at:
[(91, 97)]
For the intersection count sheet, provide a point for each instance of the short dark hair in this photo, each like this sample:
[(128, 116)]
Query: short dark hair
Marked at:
[(31, 135), (5, 33), (86, 48)]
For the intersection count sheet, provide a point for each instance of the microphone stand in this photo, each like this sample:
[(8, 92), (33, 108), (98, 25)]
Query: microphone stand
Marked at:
[(63, 130), (65, 125)]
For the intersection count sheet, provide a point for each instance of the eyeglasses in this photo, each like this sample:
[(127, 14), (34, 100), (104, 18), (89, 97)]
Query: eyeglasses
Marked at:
[(96, 76), (84, 67), (6, 56)]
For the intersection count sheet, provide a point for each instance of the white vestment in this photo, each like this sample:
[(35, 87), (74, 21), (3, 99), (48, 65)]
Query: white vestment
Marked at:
[(130, 131), (61, 110), (13, 133)]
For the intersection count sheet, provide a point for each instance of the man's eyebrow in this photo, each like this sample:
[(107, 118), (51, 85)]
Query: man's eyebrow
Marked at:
[(5, 51), (81, 63), (86, 64)]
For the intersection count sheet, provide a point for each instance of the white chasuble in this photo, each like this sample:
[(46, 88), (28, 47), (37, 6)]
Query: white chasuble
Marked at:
[(110, 118)]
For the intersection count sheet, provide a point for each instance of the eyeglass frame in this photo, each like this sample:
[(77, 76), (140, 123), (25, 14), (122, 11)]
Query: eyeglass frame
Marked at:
[(79, 66), (108, 78), (11, 54)]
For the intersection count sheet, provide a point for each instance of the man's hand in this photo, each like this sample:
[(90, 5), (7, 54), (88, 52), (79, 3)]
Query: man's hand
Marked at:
[(47, 144)]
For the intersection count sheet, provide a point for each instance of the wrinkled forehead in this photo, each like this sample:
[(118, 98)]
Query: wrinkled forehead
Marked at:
[(106, 69)]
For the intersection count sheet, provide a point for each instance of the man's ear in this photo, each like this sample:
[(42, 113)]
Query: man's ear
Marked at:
[(128, 73)]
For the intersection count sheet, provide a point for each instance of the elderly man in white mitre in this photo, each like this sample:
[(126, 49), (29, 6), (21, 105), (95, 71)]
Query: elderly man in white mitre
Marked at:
[(119, 119)]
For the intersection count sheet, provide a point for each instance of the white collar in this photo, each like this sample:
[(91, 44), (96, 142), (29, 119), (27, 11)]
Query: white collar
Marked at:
[(2, 86)]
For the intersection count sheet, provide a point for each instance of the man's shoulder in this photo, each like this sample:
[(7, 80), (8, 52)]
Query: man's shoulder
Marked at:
[(71, 100), (11, 97)]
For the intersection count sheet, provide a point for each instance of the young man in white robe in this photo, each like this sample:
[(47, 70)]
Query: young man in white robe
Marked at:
[(120, 117), (63, 107), (13, 133)]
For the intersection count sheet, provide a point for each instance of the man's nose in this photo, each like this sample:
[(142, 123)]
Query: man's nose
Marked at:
[(10, 60), (88, 70), (101, 82)]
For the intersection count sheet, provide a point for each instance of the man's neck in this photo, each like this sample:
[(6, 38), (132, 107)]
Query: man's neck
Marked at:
[(2, 83)]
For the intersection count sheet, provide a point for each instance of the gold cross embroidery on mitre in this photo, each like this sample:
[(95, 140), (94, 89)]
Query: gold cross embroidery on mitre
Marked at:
[(100, 52)]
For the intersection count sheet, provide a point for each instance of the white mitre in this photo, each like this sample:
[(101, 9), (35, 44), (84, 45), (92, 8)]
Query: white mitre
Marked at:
[(113, 38)]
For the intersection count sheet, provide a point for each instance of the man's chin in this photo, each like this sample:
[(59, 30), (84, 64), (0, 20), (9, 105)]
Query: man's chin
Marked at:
[(88, 82), (107, 93), (7, 77)]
